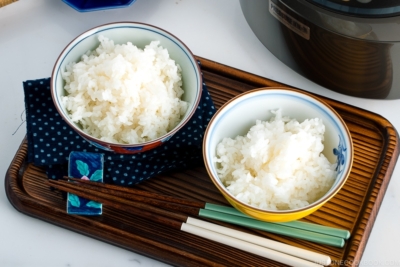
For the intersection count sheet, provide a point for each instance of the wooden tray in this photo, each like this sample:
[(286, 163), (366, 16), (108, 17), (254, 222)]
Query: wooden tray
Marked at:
[(354, 208)]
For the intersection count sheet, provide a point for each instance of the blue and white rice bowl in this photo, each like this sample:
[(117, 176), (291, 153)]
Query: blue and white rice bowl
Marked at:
[(239, 114)]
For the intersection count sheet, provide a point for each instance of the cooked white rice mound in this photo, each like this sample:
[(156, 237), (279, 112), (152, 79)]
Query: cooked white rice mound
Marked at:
[(278, 165), (123, 94)]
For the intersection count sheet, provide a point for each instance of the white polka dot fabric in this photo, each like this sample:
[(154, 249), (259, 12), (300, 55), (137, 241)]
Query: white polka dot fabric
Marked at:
[(51, 140)]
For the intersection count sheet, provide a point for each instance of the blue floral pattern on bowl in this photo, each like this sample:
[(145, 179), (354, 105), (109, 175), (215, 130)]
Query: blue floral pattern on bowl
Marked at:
[(86, 166), (340, 153)]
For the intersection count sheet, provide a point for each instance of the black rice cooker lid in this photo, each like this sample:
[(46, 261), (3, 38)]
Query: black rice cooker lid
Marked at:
[(361, 8), (379, 28)]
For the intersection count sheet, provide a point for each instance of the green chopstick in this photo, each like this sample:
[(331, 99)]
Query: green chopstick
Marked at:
[(273, 228), (312, 227), (318, 228)]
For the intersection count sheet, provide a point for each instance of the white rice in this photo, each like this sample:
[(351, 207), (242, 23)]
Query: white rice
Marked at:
[(278, 165), (123, 94)]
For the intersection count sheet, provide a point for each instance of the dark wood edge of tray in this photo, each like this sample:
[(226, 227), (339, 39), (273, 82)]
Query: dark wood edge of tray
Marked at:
[(384, 172)]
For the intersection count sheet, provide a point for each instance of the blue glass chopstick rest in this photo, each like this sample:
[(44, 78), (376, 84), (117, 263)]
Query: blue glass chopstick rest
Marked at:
[(88, 166)]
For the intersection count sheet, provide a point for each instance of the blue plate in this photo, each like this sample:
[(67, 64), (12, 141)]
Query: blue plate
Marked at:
[(95, 5)]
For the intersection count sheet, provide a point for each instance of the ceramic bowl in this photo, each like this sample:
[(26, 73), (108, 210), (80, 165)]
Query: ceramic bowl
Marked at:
[(140, 35), (96, 5), (240, 113)]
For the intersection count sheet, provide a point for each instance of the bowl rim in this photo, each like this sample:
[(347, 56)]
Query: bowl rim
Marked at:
[(301, 93), (96, 29)]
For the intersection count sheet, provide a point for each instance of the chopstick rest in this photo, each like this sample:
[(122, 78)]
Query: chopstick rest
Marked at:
[(87, 166)]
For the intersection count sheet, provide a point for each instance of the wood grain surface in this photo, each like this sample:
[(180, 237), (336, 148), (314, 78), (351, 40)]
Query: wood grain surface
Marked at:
[(6, 2), (354, 208)]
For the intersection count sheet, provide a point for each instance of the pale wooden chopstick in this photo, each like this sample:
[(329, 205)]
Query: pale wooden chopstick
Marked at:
[(249, 247), (278, 246), (179, 221)]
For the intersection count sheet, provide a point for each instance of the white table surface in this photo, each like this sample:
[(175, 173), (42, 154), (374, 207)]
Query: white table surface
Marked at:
[(33, 33)]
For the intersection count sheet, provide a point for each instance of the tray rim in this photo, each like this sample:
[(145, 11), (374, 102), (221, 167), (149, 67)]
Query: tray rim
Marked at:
[(389, 160)]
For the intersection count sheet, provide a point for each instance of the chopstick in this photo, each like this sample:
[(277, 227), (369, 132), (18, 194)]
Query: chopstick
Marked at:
[(302, 230), (281, 247), (271, 249), (294, 224), (249, 247)]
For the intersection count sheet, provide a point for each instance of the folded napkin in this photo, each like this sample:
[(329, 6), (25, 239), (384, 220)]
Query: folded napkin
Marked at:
[(51, 140)]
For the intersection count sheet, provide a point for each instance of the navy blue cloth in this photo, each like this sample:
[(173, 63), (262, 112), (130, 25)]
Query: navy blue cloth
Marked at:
[(51, 140)]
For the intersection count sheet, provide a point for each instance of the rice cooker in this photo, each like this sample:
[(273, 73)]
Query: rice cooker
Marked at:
[(349, 46)]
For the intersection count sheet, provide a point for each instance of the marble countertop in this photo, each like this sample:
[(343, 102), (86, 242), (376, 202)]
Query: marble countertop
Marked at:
[(32, 35)]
